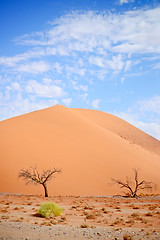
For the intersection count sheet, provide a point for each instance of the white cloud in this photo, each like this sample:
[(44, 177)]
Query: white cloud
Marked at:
[(152, 128), (151, 105), (20, 105), (41, 90), (127, 65), (133, 31), (99, 61), (74, 84), (16, 86), (101, 74), (58, 67), (86, 45), (70, 70), (156, 65), (145, 114), (84, 97), (95, 103), (47, 81), (7, 92), (84, 88), (126, 1), (89, 32), (12, 61), (122, 80), (67, 101), (79, 87), (34, 67), (116, 63), (51, 81)]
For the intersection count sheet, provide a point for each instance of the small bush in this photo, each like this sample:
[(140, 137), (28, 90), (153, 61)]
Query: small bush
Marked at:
[(153, 207), (149, 214), (88, 208), (131, 221), (83, 225), (50, 209), (90, 216), (135, 215), (127, 237)]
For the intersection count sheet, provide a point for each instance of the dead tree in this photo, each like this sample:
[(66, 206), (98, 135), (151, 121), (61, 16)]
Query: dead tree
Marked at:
[(138, 185), (33, 175)]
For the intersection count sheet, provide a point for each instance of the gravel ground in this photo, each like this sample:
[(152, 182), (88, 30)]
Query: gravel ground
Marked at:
[(103, 218), (24, 231)]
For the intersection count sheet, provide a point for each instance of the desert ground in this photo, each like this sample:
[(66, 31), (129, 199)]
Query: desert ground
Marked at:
[(89, 146), (112, 217)]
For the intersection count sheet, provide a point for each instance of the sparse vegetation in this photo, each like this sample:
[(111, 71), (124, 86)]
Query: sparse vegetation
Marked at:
[(63, 219), (135, 207), (130, 221), (88, 208), (153, 207), (16, 208), (90, 216), (127, 237), (84, 225), (135, 215), (50, 209), (132, 190), (117, 221), (144, 221), (83, 216), (149, 214), (104, 210), (33, 175)]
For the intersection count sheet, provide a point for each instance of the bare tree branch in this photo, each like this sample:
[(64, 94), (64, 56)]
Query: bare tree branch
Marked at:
[(138, 185), (32, 175)]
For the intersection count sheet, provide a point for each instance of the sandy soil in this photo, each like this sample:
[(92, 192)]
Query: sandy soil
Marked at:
[(83, 218), (89, 146)]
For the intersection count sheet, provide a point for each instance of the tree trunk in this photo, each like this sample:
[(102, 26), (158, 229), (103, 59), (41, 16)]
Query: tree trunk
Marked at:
[(45, 190), (134, 194)]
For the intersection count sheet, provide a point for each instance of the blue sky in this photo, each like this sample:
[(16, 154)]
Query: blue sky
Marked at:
[(95, 54)]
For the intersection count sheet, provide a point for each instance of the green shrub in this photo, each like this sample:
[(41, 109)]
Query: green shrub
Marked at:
[(50, 209)]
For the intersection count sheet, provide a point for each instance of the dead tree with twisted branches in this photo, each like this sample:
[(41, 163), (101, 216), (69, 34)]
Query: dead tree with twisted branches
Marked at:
[(33, 175), (139, 185)]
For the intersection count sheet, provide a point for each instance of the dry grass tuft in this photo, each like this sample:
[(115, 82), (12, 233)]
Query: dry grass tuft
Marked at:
[(153, 207), (127, 237), (144, 221), (149, 214), (84, 225), (90, 216), (4, 210), (4, 217), (105, 221), (130, 221), (88, 208), (104, 210), (117, 221), (136, 207), (135, 215)]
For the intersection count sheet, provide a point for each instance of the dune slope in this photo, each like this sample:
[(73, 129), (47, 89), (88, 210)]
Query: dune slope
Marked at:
[(122, 128), (87, 147)]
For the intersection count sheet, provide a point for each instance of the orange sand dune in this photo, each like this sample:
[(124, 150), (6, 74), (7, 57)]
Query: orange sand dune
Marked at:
[(122, 128), (90, 147)]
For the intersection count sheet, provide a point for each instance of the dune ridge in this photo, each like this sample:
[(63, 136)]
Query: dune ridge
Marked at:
[(122, 128), (89, 146)]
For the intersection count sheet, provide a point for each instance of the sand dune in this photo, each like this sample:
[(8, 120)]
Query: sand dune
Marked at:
[(89, 146), (122, 128)]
